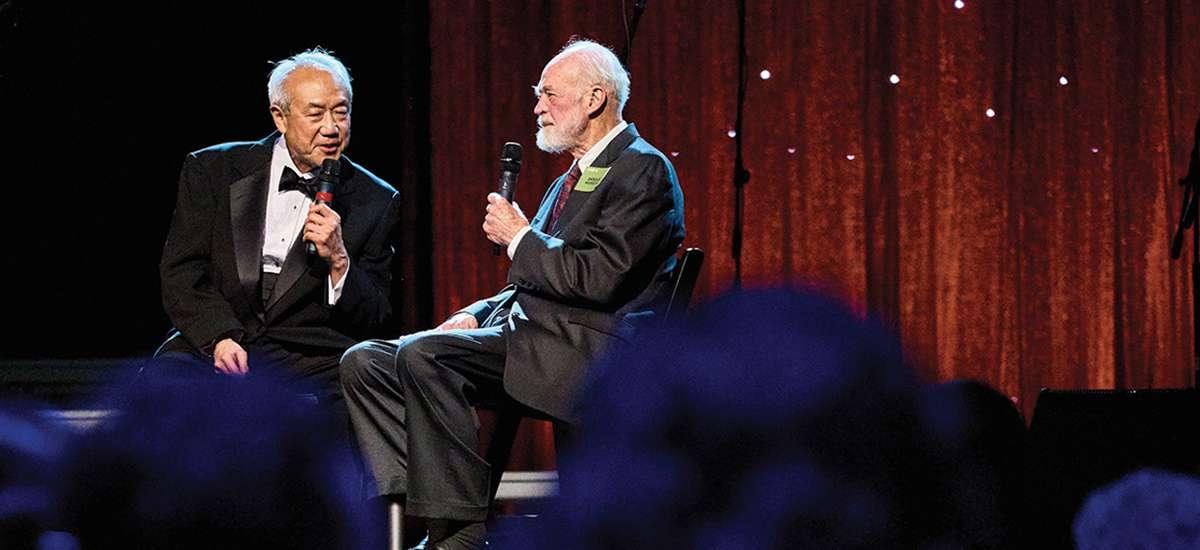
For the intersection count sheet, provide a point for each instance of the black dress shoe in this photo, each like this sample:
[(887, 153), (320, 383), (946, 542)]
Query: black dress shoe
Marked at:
[(457, 535)]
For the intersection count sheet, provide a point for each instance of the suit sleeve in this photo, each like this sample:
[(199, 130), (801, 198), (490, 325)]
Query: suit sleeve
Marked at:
[(190, 297), (365, 304), (637, 221), (483, 308)]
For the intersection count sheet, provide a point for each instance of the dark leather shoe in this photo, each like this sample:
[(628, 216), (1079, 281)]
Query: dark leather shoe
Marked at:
[(457, 535)]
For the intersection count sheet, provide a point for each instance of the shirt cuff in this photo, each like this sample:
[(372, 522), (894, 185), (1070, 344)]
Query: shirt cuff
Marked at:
[(335, 290), (512, 246)]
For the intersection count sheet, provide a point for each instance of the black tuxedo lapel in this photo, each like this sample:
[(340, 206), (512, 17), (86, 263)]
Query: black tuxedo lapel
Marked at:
[(247, 213), (577, 200), (293, 267)]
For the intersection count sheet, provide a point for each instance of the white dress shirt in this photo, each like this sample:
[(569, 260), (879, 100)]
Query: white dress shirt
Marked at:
[(286, 213)]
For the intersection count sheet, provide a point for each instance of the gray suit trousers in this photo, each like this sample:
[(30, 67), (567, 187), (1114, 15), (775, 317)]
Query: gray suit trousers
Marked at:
[(411, 403)]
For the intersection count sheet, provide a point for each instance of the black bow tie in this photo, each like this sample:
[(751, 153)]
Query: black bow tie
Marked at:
[(291, 181)]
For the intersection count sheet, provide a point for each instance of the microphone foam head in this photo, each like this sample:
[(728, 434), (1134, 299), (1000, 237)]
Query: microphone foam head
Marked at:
[(331, 167), (510, 157)]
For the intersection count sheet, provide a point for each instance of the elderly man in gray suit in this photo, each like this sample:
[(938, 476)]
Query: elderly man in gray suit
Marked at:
[(588, 270)]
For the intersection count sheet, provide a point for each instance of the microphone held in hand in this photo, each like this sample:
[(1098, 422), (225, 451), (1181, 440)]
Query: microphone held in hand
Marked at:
[(510, 167), (330, 170)]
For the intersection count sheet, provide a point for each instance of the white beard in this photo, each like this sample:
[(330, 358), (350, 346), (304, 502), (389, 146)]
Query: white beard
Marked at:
[(551, 142), (557, 138)]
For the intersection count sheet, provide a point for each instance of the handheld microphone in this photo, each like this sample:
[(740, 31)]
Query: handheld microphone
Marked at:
[(330, 170), (510, 167)]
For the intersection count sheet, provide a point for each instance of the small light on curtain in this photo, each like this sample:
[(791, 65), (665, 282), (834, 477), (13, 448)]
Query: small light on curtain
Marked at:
[(1095, 149), (894, 79), (989, 112), (959, 4), (765, 74), (1063, 80), (674, 153), (731, 133), (791, 150), (849, 157)]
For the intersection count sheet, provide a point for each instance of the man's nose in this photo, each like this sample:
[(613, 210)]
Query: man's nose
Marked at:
[(329, 126)]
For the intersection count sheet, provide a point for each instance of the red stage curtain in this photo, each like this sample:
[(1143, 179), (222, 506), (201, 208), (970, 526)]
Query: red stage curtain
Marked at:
[(1027, 249)]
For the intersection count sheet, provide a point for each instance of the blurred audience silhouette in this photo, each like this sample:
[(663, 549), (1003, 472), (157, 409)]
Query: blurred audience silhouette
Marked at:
[(771, 420), (231, 463), (30, 459), (976, 442), (1147, 509)]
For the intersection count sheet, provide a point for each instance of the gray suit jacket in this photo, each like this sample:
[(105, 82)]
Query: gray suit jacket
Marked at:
[(598, 275)]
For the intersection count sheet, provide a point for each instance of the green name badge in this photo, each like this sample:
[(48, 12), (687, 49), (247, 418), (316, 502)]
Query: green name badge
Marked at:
[(590, 179)]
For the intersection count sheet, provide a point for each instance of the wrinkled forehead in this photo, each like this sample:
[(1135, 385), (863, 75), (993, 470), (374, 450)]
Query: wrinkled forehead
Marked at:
[(560, 73), (314, 80)]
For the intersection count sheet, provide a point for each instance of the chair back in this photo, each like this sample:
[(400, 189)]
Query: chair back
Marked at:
[(683, 282)]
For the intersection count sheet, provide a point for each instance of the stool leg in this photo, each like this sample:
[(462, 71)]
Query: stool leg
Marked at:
[(395, 526)]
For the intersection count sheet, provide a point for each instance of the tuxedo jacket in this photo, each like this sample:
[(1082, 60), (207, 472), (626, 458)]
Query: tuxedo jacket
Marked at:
[(211, 263), (590, 281)]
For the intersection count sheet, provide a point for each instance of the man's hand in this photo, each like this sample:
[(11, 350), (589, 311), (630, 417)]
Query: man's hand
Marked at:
[(229, 357), (459, 321), (323, 228), (503, 220)]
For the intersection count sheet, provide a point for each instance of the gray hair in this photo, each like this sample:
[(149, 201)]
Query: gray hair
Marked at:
[(600, 66), (316, 58)]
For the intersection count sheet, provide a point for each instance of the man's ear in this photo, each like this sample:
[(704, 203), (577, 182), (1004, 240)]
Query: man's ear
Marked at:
[(596, 99), (280, 119)]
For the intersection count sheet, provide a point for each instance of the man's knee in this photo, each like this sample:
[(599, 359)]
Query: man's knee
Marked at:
[(366, 362), (417, 357)]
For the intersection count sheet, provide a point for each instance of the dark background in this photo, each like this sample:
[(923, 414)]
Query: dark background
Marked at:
[(102, 103)]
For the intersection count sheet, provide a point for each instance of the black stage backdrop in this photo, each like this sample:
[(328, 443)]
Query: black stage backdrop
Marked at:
[(102, 102)]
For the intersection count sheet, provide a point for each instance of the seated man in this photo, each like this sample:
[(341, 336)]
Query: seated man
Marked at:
[(589, 268), (236, 281)]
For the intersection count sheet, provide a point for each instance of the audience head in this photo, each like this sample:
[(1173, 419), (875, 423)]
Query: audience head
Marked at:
[(1146, 509), (976, 443), (225, 463), (773, 420), (30, 454)]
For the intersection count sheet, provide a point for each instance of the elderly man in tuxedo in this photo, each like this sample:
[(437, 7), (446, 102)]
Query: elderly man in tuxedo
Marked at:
[(588, 270), (237, 283)]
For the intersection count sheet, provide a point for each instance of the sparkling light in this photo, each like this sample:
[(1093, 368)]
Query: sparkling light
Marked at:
[(791, 150), (849, 157), (989, 112), (894, 79), (765, 74), (959, 4), (674, 153), (1063, 80), (731, 133), (1095, 149)]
